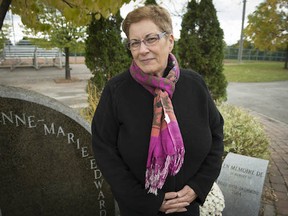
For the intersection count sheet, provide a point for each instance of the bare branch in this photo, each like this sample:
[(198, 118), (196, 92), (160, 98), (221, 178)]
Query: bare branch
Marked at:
[(69, 4)]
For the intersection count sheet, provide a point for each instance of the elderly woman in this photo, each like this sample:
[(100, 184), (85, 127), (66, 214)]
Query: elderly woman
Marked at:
[(157, 134)]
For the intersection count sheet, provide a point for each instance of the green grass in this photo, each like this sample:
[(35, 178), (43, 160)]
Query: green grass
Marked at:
[(259, 71)]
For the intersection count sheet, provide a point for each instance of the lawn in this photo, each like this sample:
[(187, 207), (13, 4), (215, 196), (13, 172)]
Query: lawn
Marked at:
[(255, 71)]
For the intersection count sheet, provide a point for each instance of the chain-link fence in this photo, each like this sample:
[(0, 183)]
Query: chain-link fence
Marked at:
[(253, 54)]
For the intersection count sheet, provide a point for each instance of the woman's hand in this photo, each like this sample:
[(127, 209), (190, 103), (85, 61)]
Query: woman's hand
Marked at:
[(178, 201)]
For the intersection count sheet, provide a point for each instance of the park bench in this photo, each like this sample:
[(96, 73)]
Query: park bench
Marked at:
[(30, 56), (48, 57)]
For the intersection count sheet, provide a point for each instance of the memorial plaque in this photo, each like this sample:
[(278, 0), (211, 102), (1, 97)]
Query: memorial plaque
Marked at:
[(47, 166), (241, 181)]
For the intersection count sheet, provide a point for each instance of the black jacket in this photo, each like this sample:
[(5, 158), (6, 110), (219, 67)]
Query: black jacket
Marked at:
[(121, 130)]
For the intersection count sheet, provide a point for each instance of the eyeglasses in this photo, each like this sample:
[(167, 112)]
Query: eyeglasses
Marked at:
[(149, 40)]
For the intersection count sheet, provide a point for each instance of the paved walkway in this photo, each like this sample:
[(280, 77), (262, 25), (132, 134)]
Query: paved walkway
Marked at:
[(270, 99), (49, 81), (277, 176)]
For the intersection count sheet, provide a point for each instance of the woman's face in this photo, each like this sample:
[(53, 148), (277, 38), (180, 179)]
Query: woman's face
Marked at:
[(151, 59)]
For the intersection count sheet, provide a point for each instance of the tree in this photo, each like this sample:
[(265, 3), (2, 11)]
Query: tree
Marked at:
[(105, 54), (268, 26), (4, 36), (65, 35), (246, 44), (201, 45), (148, 2), (76, 11), (58, 32), (4, 7)]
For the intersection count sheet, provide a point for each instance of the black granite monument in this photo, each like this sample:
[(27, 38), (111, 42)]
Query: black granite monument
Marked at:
[(47, 165)]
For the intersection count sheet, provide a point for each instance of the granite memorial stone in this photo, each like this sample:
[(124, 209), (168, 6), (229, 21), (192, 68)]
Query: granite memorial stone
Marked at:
[(47, 164), (241, 181)]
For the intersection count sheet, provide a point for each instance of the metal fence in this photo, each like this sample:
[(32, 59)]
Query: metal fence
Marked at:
[(252, 54)]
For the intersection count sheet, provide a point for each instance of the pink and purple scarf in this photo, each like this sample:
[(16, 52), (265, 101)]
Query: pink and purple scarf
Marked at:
[(166, 149)]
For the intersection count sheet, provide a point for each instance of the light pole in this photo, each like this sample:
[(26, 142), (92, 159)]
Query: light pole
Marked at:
[(240, 51), (13, 27)]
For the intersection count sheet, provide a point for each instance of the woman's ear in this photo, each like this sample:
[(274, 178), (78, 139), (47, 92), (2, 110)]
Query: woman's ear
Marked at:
[(171, 42)]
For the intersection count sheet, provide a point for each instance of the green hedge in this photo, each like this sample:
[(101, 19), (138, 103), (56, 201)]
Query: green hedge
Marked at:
[(243, 133)]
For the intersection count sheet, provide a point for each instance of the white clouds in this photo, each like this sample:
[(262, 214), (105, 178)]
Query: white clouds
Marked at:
[(229, 14)]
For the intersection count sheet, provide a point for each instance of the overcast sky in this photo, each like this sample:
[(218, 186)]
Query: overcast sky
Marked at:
[(229, 14)]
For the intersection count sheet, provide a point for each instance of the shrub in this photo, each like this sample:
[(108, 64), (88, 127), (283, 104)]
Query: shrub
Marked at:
[(200, 46), (93, 100), (105, 53), (243, 133)]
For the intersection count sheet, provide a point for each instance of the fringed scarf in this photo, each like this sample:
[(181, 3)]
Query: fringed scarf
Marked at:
[(166, 149)]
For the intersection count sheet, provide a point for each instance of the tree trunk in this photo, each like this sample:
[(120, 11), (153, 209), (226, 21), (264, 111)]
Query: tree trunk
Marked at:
[(4, 7), (286, 60), (67, 65)]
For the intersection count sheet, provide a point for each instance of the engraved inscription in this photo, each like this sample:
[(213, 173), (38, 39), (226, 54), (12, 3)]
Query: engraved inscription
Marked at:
[(52, 129)]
